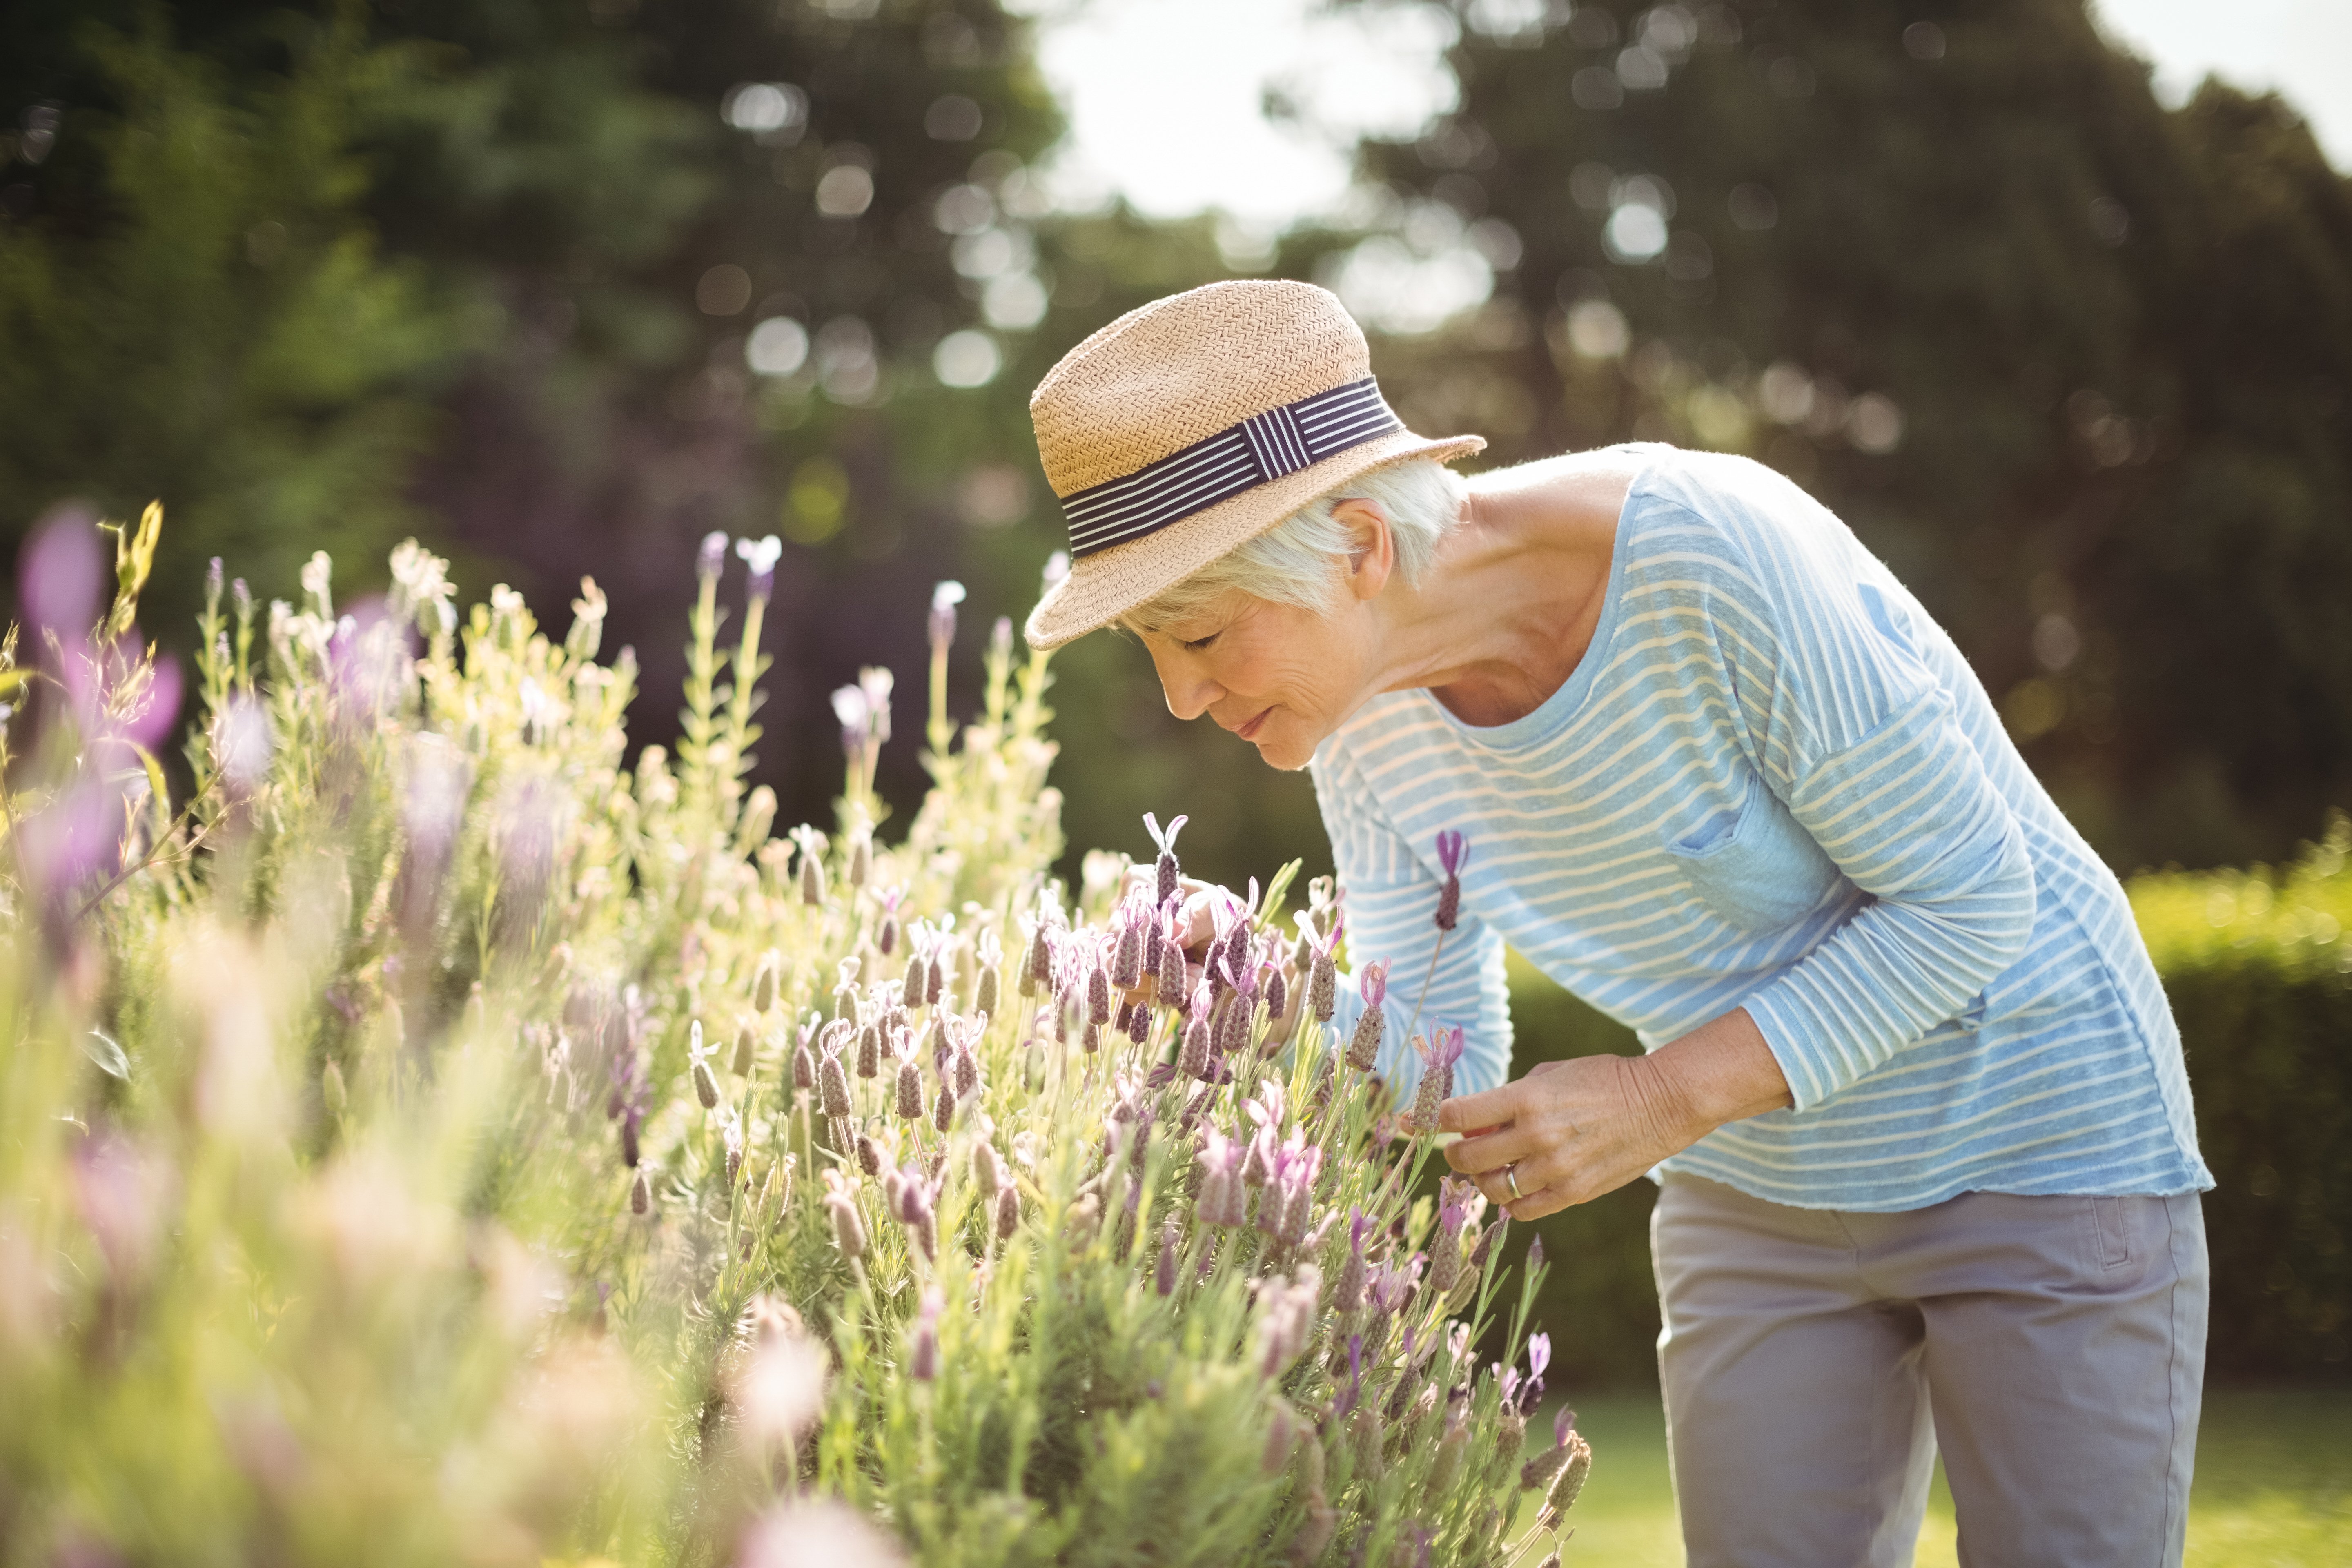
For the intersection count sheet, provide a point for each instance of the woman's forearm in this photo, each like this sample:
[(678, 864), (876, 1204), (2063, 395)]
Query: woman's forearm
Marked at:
[(1721, 1071)]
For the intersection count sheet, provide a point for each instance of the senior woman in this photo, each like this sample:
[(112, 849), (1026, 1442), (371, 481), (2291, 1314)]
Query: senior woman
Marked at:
[(1928, 1168)]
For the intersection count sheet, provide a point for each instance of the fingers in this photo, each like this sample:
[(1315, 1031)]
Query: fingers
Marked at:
[(1493, 1107), (1200, 923), (1494, 1150), (1540, 1190), (1535, 1205)]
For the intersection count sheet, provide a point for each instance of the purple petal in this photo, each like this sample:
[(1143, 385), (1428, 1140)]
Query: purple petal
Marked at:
[(59, 574)]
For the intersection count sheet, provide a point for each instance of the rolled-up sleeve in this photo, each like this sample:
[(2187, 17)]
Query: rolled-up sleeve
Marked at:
[(1908, 814), (1843, 721)]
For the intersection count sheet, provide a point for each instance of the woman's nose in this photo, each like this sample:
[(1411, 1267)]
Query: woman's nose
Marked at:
[(1190, 697), (1188, 691)]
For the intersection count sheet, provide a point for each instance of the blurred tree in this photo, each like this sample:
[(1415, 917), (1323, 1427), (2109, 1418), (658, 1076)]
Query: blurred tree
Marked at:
[(604, 278), (2077, 366), (733, 247), (561, 286), (193, 303)]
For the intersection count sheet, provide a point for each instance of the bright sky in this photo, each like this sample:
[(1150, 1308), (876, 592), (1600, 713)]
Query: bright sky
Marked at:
[(1166, 97), (2300, 47)]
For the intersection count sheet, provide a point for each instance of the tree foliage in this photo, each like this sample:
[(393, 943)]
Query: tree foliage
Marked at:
[(2112, 342)]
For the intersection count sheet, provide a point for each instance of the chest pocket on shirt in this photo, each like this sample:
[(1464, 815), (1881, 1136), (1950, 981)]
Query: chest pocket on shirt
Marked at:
[(1756, 867)]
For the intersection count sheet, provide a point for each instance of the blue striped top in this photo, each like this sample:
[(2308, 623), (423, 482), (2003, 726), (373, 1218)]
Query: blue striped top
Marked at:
[(1773, 782)]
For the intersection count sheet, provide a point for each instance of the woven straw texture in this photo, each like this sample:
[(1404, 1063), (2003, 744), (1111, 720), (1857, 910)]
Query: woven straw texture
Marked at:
[(1175, 372)]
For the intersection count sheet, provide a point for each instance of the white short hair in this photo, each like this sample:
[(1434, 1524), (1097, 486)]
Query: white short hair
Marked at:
[(1302, 560)]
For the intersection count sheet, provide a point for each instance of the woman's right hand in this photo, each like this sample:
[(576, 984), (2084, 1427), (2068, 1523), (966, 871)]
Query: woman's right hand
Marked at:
[(1196, 914)]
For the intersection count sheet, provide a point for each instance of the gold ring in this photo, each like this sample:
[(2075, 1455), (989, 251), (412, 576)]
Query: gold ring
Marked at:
[(1511, 1174)]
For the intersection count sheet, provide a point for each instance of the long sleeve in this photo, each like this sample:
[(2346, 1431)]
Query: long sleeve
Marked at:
[(1849, 731), (1392, 905)]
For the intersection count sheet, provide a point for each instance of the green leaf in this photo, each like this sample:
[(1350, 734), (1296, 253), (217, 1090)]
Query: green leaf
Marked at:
[(108, 1055)]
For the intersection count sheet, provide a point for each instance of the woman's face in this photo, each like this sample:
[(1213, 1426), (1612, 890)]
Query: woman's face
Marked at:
[(1280, 677)]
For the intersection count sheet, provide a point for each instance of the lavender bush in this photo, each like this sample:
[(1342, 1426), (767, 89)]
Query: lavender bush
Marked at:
[(435, 1141)]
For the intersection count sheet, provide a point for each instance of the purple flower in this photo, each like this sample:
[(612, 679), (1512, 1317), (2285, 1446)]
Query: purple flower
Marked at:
[(945, 597), (1453, 854), (1355, 1393), (876, 683), (1296, 1167), (1164, 1277), (1538, 1354), (60, 574), (1438, 1057), (70, 844), (1454, 1208), (1392, 1285), (761, 555), (1222, 1200), (923, 1356), (1372, 983), (712, 559), (122, 1193), (1169, 875), (857, 720)]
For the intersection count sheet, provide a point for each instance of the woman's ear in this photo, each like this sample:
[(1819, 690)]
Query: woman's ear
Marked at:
[(1371, 545)]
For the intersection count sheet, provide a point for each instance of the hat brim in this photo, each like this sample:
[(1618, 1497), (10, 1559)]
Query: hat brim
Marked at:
[(1107, 585)]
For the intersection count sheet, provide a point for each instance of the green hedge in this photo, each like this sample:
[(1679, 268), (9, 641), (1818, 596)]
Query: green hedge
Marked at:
[(2258, 968), (2258, 965)]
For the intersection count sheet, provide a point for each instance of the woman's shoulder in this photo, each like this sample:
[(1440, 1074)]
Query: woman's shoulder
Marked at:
[(1733, 519), (1722, 493)]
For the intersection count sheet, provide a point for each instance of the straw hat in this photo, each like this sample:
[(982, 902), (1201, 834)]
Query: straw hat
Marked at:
[(1194, 424)]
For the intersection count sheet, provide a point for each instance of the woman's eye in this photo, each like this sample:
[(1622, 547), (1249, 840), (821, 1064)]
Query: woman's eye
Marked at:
[(1196, 643)]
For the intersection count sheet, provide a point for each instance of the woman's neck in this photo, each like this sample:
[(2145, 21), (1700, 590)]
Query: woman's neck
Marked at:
[(1510, 608)]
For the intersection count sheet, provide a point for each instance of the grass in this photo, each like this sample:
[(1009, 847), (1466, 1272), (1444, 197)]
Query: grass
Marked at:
[(2274, 1486)]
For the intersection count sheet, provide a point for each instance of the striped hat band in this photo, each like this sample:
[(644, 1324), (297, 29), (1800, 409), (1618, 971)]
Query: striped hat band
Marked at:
[(1238, 459)]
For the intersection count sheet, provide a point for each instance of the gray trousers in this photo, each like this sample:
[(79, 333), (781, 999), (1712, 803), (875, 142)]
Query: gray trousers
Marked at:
[(1814, 1362)]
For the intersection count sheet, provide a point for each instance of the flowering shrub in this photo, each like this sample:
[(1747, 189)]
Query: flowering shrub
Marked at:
[(439, 1142)]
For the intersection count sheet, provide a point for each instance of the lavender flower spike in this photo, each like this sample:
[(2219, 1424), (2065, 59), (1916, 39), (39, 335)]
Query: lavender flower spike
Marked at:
[(711, 560), (1169, 874), (945, 597), (923, 1356), (1323, 978), (706, 1087), (761, 555), (876, 683), (849, 706), (1437, 1060), (1453, 854), (1364, 1050)]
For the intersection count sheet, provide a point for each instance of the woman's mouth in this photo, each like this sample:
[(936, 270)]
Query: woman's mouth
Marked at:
[(1249, 730)]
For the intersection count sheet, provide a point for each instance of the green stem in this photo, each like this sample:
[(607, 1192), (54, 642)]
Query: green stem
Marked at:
[(1425, 980), (747, 667), (939, 732)]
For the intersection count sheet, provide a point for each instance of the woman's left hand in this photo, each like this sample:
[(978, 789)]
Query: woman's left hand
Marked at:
[(1574, 1130), (1571, 1129)]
